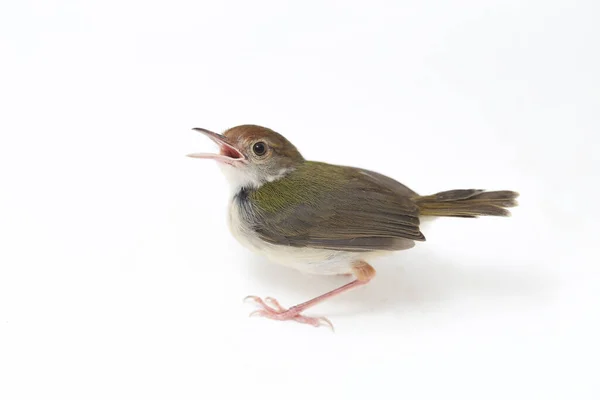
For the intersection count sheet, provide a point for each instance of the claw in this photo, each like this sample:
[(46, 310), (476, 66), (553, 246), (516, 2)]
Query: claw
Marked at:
[(270, 308), (326, 322), (261, 303), (274, 304), (253, 298), (316, 322), (257, 313)]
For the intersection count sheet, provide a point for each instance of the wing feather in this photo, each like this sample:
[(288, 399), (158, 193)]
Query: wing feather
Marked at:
[(345, 209)]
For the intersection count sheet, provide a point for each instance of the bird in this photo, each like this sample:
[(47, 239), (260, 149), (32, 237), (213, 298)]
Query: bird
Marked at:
[(325, 219)]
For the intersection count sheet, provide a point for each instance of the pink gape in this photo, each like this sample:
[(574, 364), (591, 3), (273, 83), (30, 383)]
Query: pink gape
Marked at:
[(270, 308)]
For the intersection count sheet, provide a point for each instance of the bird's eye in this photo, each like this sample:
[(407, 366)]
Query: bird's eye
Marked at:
[(259, 148)]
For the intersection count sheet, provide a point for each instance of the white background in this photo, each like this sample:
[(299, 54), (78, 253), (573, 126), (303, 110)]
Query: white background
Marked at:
[(120, 280)]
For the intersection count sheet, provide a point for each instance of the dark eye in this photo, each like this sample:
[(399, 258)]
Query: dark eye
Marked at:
[(259, 148)]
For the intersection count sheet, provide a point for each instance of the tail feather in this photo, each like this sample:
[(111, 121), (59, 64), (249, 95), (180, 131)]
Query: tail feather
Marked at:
[(467, 203)]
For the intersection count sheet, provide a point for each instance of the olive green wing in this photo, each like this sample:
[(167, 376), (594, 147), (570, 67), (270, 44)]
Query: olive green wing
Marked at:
[(337, 208)]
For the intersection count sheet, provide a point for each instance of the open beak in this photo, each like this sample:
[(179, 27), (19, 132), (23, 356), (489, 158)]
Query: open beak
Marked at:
[(228, 154)]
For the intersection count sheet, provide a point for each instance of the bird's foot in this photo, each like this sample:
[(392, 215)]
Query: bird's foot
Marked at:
[(270, 308)]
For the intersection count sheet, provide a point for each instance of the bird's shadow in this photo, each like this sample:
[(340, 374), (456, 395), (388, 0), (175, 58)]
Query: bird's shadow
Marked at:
[(418, 280)]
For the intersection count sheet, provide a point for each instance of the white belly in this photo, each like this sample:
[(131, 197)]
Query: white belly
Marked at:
[(308, 260)]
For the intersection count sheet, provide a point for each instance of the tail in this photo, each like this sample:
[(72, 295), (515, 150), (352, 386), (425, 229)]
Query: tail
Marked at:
[(467, 203)]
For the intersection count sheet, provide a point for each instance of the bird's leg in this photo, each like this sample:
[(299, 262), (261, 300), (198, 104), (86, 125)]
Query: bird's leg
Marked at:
[(270, 308)]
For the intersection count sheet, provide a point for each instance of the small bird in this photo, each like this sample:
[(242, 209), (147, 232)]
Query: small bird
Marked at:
[(326, 219)]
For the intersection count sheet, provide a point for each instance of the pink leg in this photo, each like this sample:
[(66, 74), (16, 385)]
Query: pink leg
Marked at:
[(363, 272)]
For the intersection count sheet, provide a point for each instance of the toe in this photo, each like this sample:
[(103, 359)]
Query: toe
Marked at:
[(274, 304), (316, 322), (261, 303), (270, 308), (258, 313)]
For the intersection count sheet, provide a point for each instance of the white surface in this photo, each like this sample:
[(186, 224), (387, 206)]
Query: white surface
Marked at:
[(119, 279)]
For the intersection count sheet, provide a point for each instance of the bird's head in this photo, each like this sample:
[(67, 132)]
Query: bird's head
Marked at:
[(251, 155)]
